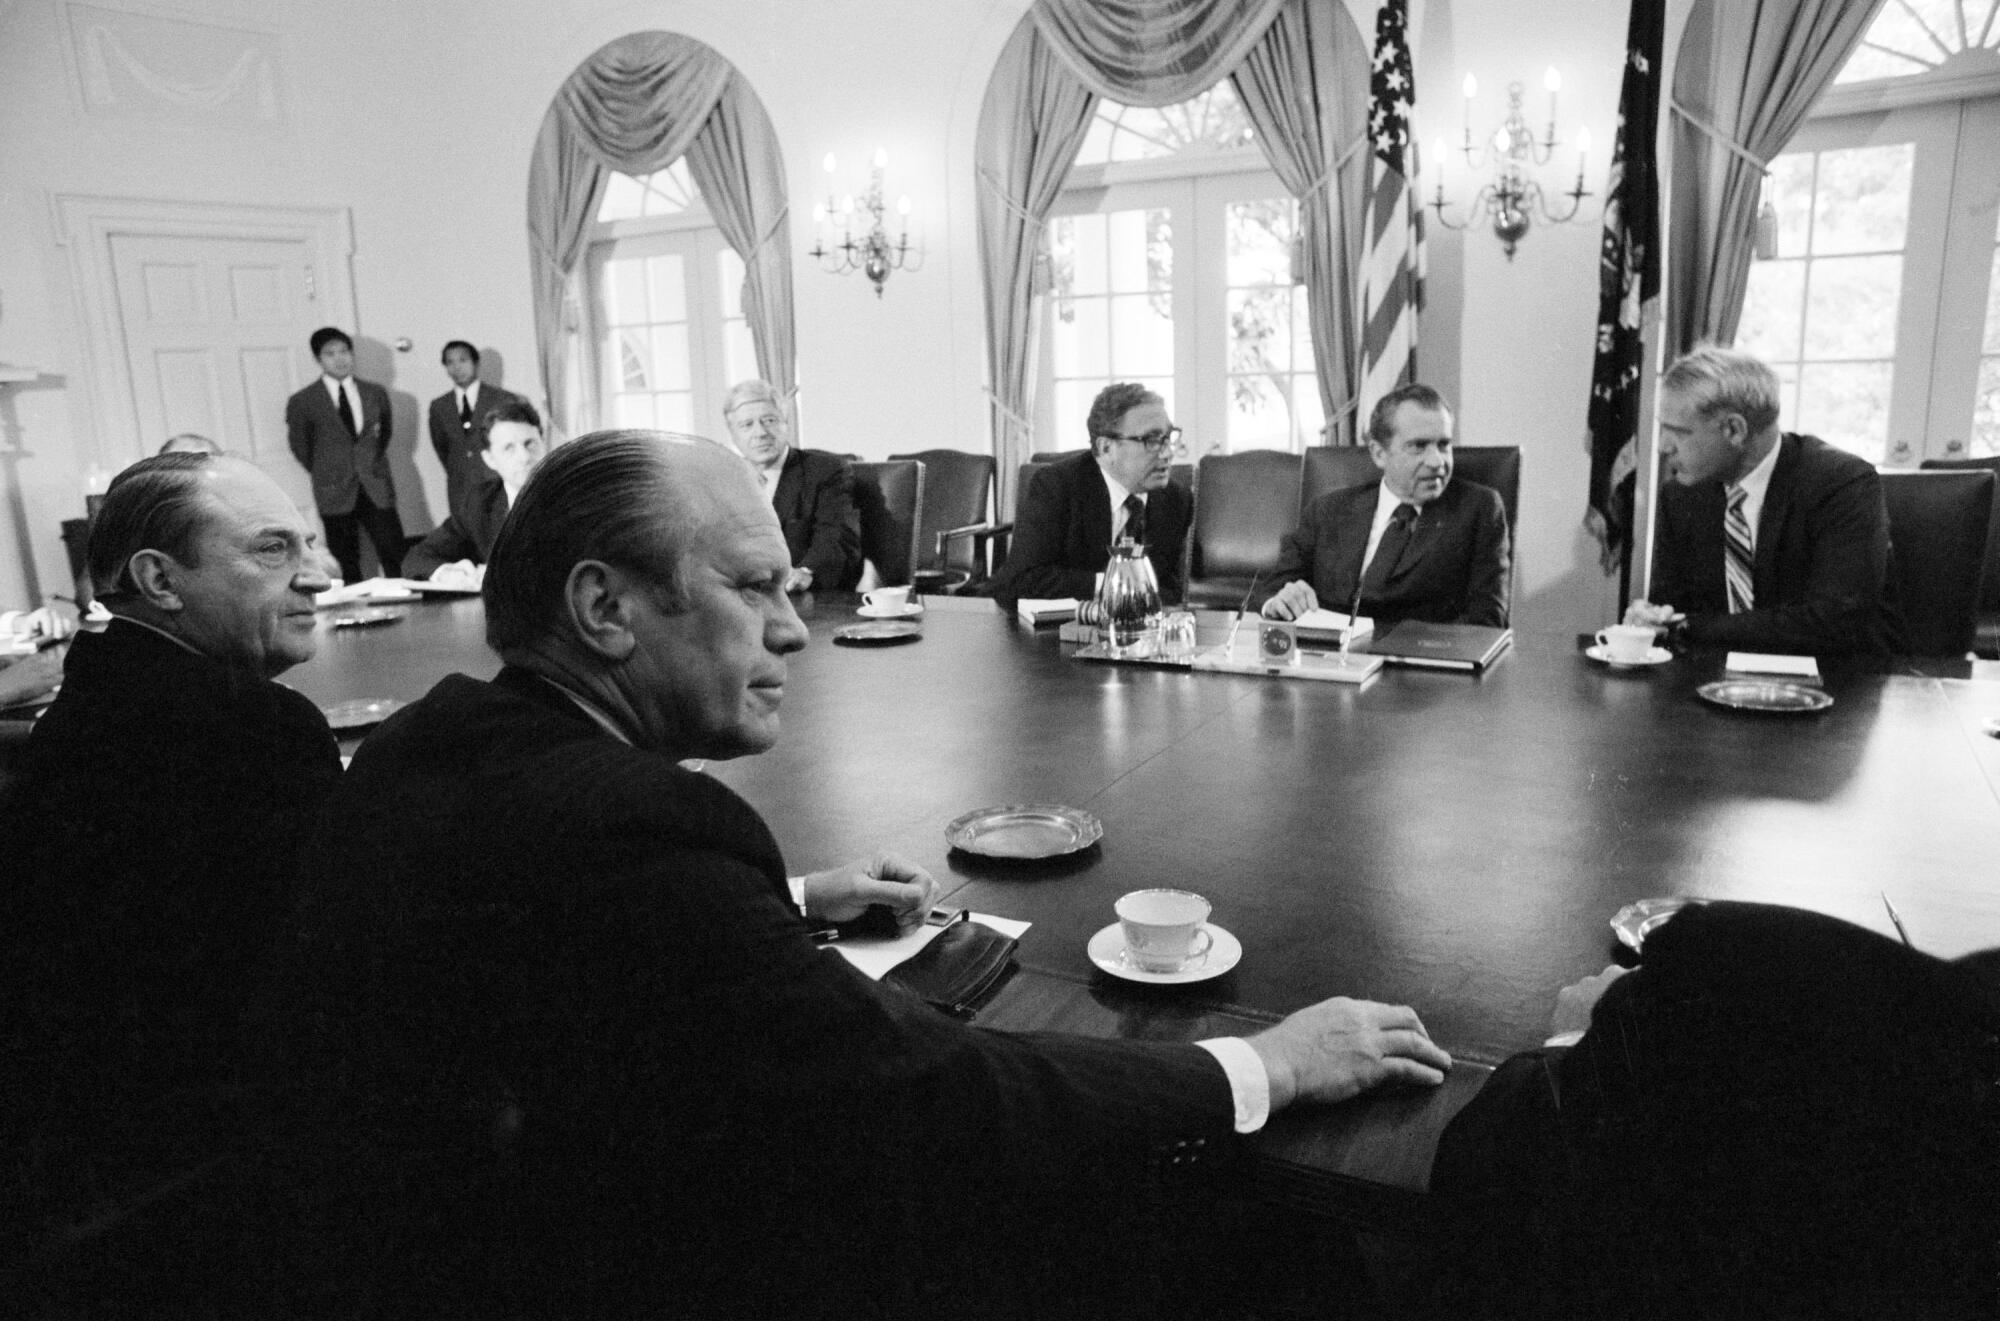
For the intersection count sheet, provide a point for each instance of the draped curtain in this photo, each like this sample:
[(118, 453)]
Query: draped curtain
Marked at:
[(1302, 72), (1748, 73), (636, 106)]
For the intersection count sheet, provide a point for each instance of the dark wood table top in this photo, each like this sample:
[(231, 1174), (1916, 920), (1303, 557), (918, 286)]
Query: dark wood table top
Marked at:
[(1455, 842)]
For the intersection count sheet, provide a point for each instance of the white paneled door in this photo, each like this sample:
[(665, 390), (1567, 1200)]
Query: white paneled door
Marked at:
[(214, 331)]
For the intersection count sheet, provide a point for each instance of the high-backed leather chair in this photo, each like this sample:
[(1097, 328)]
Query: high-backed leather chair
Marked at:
[(954, 528), (1986, 641), (1938, 531), (1330, 467), (888, 496), (1244, 504)]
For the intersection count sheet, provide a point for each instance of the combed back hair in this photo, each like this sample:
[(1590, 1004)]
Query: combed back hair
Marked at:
[(325, 335), (190, 443), (607, 496), (445, 353), (156, 504), (514, 410), (1113, 402), (752, 392), (1382, 421), (1718, 380)]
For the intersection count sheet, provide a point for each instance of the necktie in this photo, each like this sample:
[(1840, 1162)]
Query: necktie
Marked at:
[(1135, 519), (1739, 555), (1395, 540), (346, 409), (464, 411)]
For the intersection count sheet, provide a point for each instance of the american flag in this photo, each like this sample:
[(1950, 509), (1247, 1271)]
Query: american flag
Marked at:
[(1628, 278), (1392, 263)]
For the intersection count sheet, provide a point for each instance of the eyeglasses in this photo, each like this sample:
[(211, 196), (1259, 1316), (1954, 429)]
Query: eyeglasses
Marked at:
[(1156, 442)]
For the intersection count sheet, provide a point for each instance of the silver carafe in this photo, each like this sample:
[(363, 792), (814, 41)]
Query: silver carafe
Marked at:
[(1128, 600)]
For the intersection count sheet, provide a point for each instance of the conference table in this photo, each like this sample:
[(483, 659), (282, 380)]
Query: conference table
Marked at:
[(1457, 842)]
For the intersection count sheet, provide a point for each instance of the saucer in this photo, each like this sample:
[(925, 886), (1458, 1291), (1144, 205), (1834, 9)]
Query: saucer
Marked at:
[(1654, 656), (909, 611), (1107, 951)]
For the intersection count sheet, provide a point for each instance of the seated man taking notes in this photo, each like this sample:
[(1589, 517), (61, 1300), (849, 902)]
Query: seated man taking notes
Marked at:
[(1414, 545), (1768, 541), (510, 438), (581, 1054), (1076, 506)]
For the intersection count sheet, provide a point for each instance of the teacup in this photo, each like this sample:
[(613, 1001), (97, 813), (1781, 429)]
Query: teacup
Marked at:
[(887, 598), (1627, 642), (1163, 929)]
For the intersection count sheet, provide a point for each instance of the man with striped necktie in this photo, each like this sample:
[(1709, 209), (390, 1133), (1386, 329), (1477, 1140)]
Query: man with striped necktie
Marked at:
[(1768, 541)]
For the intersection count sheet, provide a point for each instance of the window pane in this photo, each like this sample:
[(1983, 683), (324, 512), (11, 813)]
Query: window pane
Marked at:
[(624, 293), (668, 283), (632, 410), (1087, 269), (1072, 408), (729, 279), (1139, 252), (1212, 122), (1082, 339), (1308, 416), (1260, 241), (1851, 307), (1142, 340), (1861, 201), (1259, 414), (634, 355), (674, 412), (670, 359), (624, 198), (1986, 411), (1847, 404), (1773, 310), (739, 351), (1260, 330), (1790, 193)]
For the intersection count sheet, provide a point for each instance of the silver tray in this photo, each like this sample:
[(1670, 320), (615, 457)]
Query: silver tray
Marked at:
[(1773, 695), (1025, 830), (364, 618), (878, 633), (1633, 922)]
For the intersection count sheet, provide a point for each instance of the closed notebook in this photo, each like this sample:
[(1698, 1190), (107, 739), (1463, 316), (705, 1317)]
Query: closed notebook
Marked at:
[(1444, 646)]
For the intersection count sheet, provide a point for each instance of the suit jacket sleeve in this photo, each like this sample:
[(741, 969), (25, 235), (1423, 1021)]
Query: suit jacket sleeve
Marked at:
[(1847, 525), (1297, 561), (1036, 561), (447, 543), (1486, 582), (298, 429), (440, 441), (834, 553)]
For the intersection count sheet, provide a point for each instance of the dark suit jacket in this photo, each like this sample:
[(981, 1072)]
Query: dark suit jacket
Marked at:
[(1455, 570), (1777, 1115), (1821, 577), (815, 505), (151, 842), (458, 447), (1062, 534), (468, 533), (583, 1059), (342, 464)]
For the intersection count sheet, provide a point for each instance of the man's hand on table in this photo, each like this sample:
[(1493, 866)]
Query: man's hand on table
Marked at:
[(1339, 1048), (30, 676), (459, 573), (1291, 601), (1645, 613), (799, 580), (842, 894)]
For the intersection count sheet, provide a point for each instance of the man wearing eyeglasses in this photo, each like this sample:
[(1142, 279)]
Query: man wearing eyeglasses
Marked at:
[(1078, 505), (1414, 545)]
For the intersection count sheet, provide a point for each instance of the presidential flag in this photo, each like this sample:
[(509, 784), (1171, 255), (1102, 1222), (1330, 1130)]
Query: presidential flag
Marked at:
[(1628, 278), (1392, 261)]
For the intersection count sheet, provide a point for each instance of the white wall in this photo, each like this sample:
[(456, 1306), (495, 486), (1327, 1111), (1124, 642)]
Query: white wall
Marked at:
[(419, 118)]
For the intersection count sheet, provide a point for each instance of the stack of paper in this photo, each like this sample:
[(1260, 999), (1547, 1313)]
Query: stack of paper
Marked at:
[(1319, 627), (371, 589), (1758, 662), (1035, 612)]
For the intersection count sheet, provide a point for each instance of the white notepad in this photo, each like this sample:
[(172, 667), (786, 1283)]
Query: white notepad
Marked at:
[(1760, 662)]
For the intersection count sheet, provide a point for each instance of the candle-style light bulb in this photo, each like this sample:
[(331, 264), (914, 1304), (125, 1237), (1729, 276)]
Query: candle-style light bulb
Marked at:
[(881, 158), (1471, 87), (903, 206), (1500, 140), (1552, 80), (1582, 151), (829, 162)]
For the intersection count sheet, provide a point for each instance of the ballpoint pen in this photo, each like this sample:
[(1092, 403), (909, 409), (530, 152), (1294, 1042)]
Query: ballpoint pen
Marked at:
[(1897, 918)]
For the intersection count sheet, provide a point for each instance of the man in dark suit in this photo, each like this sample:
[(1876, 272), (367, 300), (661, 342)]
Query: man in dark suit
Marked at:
[(151, 843), (510, 440), (1413, 545), (1768, 541), (339, 428), (812, 492), (1776, 1115), (582, 1056), (456, 420), (1076, 507)]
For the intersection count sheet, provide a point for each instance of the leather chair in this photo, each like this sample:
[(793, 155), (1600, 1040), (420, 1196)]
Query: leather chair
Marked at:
[(1938, 530), (955, 529), (1244, 505), (1330, 467), (889, 496), (1987, 640)]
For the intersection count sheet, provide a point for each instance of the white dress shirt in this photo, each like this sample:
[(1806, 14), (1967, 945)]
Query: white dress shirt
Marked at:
[(1754, 484), (1387, 502), (1119, 513), (333, 392)]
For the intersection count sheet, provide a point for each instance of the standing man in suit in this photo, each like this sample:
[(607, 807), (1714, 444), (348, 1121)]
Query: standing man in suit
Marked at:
[(339, 430), (510, 437), (1768, 541), (1077, 506), (582, 1055), (812, 492), (1413, 545), (456, 419)]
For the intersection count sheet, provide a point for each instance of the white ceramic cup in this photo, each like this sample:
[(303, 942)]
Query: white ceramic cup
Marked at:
[(1163, 929), (887, 598), (1626, 642)]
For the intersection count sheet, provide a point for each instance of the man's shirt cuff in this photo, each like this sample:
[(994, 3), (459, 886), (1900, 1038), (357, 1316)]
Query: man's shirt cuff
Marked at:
[(1565, 1038), (1249, 1083), (797, 885)]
